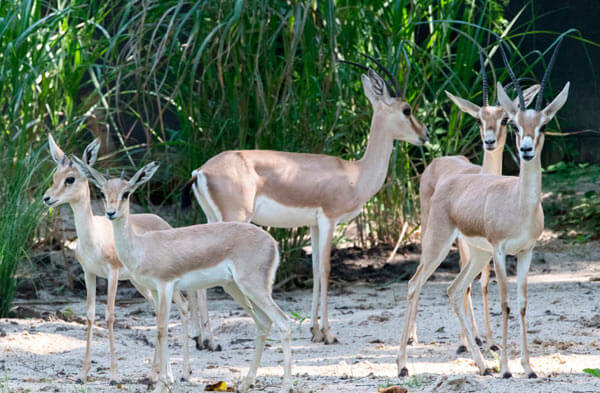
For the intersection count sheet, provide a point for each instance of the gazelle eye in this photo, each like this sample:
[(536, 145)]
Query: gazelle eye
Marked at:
[(69, 180), (125, 195), (406, 112), (505, 121)]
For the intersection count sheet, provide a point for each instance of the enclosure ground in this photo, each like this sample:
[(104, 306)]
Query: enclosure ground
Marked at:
[(44, 354)]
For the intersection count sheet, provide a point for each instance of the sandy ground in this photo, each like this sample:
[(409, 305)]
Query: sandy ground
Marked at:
[(38, 355)]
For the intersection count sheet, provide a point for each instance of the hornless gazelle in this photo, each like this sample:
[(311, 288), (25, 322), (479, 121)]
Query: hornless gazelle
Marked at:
[(285, 190), (495, 216), (95, 249), (492, 130), (240, 257)]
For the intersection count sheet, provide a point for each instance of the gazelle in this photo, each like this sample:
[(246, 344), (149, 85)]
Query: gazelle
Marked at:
[(495, 216), (240, 257), (492, 130), (95, 249), (282, 189)]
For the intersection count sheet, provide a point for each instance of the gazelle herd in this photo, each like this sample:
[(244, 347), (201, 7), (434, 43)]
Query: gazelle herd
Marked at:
[(488, 214)]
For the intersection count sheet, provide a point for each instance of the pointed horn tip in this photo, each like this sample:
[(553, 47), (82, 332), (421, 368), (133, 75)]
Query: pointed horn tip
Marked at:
[(122, 173), (107, 175)]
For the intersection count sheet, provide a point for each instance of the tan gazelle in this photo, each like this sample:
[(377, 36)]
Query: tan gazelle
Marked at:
[(492, 127), (95, 249), (240, 257), (282, 189), (495, 216)]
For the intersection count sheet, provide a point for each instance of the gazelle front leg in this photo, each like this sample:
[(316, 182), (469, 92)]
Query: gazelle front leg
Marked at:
[(182, 307), (113, 282), (457, 292), (522, 269), (326, 228), (500, 269), (317, 336), (484, 281), (165, 295), (90, 287)]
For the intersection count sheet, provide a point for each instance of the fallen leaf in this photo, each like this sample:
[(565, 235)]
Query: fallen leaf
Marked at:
[(216, 387), (392, 389)]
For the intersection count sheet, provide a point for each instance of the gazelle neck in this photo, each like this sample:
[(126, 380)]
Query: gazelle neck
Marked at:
[(492, 161), (373, 166), (124, 237), (530, 185), (83, 217)]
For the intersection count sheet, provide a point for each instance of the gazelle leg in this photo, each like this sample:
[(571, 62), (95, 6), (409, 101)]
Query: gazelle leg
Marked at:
[(90, 287), (113, 282), (484, 281), (436, 244), (317, 336), (182, 307), (262, 300), (500, 269), (201, 331), (522, 269), (326, 228), (456, 293), (165, 295)]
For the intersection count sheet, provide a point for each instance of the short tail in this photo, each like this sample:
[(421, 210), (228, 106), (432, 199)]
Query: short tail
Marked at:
[(186, 200)]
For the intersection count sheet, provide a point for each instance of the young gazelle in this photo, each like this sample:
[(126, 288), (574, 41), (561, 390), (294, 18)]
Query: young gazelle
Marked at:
[(282, 189), (95, 249), (492, 130), (495, 215), (240, 257)]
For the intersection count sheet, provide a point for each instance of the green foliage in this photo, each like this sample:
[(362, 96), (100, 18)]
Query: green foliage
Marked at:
[(592, 371), (573, 208)]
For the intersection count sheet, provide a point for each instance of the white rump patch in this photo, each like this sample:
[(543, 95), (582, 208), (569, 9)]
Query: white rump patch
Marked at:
[(200, 187)]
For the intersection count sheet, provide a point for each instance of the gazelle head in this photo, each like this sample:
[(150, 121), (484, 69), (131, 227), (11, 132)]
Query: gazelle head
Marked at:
[(116, 191), (530, 123), (69, 185), (492, 118), (398, 117)]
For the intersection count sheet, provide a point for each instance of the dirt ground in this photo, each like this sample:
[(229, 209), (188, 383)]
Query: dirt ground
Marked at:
[(44, 354)]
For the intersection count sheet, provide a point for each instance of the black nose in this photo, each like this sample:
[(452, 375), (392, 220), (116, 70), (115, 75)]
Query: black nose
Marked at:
[(490, 141), (110, 214), (526, 149), (46, 199)]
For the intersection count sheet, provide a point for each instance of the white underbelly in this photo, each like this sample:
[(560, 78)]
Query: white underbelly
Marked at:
[(206, 278), (271, 213), (480, 243)]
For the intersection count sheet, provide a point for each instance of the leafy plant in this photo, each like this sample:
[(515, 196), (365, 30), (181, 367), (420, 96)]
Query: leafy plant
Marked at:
[(595, 372)]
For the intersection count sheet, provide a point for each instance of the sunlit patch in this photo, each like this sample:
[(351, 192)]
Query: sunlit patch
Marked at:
[(40, 343)]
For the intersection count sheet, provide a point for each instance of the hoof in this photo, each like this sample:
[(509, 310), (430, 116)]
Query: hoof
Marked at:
[(495, 348), (330, 338), (80, 381), (488, 371), (461, 349), (317, 336), (113, 382), (211, 346), (411, 341), (403, 372), (532, 375), (478, 341), (507, 375)]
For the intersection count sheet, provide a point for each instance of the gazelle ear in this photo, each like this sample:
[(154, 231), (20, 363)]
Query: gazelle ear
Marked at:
[(557, 103), (143, 175), (90, 154), (92, 175), (465, 106), (510, 107), (57, 154), (528, 94), (374, 87)]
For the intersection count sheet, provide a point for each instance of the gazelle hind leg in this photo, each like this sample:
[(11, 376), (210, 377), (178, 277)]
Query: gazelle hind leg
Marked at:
[(484, 281), (456, 293), (522, 268), (500, 269), (263, 326), (113, 281), (165, 297), (317, 336), (436, 244), (182, 307), (90, 286), (326, 228), (202, 333)]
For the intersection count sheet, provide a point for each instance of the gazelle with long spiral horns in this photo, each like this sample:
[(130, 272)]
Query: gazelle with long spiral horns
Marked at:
[(286, 190), (496, 216)]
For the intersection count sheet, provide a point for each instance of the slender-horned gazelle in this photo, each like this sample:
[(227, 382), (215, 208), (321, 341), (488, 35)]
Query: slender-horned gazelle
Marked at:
[(285, 190), (492, 130), (240, 257), (95, 249), (495, 216)]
